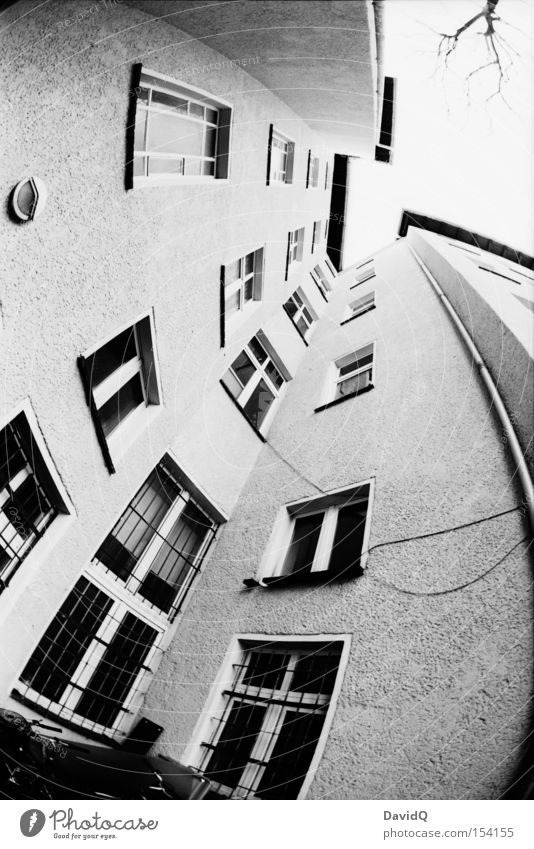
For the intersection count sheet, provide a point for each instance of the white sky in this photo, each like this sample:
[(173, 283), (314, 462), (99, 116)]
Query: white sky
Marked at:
[(467, 161)]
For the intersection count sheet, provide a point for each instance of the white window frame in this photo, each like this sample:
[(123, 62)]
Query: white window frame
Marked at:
[(321, 280), (260, 374), (295, 248), (316, 235), (282, 177), (32, 560), (256, 277), (122, 437), (300, 312), (360, 306), (216, 702), (154, 81), (312, 177), (333, 378), (273, 561)]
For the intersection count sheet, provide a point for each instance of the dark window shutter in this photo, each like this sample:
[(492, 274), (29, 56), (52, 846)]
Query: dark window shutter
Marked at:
[(222, 309), (308, 169), (287, 255), (86, 382), (290, 161), (269, 149)]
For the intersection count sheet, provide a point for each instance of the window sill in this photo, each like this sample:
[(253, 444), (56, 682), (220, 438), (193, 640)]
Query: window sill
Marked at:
[(344, 398), (254, 428), (122, 439), (156, 182), (323, 576), (352, 317)]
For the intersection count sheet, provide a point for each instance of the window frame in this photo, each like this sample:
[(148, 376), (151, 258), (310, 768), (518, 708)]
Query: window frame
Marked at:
[(316, 235), (321, 281), (255, 379), (154, 81), (230, 322), (216, 701), (273, 178), (334, 378), (295, 249), (44, 470), (271, 568), (300, 313), (146, 364), (360, 306), (312, 172)]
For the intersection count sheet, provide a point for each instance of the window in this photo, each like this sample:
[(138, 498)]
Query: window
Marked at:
[(384, 148), (241, 286), (181, 133), (321, 281), (360, 306), (157, 545), (366, 273), (263, 740), (312, 176), (92, 664), (255, 380), (295, 248), (320, 538), (120, 380), (300, 312), (280, 158), (29, 498), (326, 176), (349, 376), (316, 238)]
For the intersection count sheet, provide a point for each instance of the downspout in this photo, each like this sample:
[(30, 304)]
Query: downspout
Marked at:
[(496, 400)]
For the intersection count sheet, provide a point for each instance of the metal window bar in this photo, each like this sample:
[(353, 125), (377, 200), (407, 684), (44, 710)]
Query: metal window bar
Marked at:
[(26, 511), (263, 743)]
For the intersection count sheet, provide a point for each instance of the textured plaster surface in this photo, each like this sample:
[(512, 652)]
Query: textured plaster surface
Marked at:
[(99, 256), (435, 696)]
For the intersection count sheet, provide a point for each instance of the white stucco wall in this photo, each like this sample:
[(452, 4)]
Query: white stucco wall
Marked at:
[(435, 696)]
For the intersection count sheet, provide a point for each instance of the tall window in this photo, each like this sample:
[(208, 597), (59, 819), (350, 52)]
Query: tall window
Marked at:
[(300, 312), (321, 280), (28, 500), (242, 286), (366, 272), (280, 158), (312, 176), (255, 380), (295, 248), (316, 238), (120, 380), (384, 148), (262, 741), (320, 538), (92, 663), (180, 133)]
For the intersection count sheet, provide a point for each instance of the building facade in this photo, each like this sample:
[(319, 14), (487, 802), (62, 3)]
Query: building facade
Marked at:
[(262, 507)]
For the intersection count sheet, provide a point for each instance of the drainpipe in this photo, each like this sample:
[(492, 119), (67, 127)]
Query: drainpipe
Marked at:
[(496, 400)]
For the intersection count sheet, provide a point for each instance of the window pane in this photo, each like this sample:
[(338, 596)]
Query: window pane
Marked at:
[(193, 167), (302, 325), (242, 725), (274, 374), (111, 356), (266, 670), (211, 115), (233, 271), (257, 349), (139, 165), (169, 101), (258, 404), (348, 539), (140, 124), (121, 404), (115, 674), (66, 640), (248, 289), (353, 384), (208, 168), (233, 303), (174, 562), (355, 364), (291, 307), (249, 263), (196, 110), (292, 755), (243, 368), (164, 166), (315, 673), (210, 141), (172, 134), (303, 545)]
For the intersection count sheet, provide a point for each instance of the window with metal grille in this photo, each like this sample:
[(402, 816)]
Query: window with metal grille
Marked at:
[(255, 380), (320, 538), (120, 380), (262, 743), (300, 312), (280, 158), (90, 660), (180, 133), (28, 503), (359, 307), (158, 544), (321, 281)]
